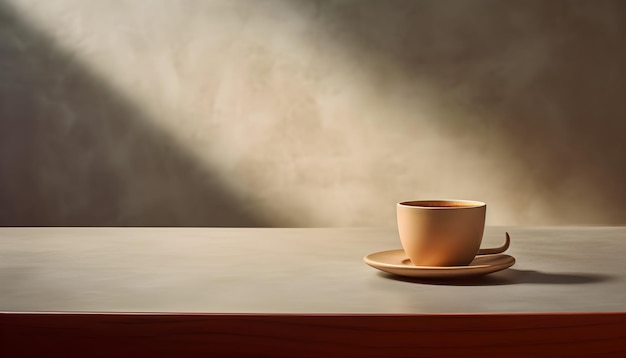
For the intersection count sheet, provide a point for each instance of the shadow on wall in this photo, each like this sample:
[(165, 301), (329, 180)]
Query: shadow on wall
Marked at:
[(74, 153), (544, 80), (534, 89)]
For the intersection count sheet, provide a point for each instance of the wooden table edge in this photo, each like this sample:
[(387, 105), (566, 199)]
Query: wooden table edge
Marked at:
[(138, 334)]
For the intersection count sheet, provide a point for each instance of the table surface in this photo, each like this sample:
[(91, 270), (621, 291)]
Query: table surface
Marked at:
[(268, 270)]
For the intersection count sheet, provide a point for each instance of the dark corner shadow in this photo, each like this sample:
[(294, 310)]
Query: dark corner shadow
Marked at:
[(74, 152), (509, 277)]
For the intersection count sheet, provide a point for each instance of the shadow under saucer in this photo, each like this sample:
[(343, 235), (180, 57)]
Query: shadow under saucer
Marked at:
[(508, 277)]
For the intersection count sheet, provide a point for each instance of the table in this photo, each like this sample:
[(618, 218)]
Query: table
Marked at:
[(304, 292)]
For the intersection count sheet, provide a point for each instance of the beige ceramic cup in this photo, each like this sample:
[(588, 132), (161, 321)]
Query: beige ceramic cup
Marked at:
[(441, 232)]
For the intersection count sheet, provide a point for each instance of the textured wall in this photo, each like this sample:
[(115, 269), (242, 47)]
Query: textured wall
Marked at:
[(310, 113)]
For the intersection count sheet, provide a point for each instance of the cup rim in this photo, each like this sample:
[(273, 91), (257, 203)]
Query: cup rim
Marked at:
[(439, 204)]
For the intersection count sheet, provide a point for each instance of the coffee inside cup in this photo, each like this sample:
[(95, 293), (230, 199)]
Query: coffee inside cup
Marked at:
[(443, 203)]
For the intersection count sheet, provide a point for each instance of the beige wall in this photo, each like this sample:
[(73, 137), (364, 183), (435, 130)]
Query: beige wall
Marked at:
[(310, 113)]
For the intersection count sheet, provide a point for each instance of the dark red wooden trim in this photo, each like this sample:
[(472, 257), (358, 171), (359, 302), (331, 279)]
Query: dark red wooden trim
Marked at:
[(264, 335)]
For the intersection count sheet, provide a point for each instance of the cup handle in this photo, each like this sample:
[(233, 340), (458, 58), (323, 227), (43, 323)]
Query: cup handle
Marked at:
[(496, 250)]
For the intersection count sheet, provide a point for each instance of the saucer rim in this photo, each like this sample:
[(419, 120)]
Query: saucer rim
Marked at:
[(439, 271), (445, 268)]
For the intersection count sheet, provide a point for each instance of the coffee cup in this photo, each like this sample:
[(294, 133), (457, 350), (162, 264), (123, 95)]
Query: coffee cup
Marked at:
[(441, 232)]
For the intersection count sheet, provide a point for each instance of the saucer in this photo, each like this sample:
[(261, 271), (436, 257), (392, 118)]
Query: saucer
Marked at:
[(398, 263)]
